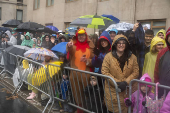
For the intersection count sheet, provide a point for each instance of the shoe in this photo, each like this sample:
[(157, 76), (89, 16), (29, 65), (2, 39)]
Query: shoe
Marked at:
[(32, 96)]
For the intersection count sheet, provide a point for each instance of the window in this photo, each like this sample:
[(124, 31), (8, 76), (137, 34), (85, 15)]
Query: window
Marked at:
[(0, 12), (36, 4), (49, 2), (49, 24), (67, 24), (155, 25), (19, 14), (70, 0), (20, 1)]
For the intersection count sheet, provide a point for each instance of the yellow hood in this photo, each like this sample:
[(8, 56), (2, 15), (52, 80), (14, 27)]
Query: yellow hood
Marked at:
[(154, 41), (161, 31)]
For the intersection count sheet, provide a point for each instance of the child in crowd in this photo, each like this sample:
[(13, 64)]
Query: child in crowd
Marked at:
[(94, 96), (38, 42), (143, 91), (149, 34)]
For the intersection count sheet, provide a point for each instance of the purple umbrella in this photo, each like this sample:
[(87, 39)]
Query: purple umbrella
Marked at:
[(53, 28)]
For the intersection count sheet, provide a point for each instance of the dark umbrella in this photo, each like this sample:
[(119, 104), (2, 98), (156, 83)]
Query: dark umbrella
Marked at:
[(46, 30), (11, 23), (4, 29), (28, 27), (17, 49)]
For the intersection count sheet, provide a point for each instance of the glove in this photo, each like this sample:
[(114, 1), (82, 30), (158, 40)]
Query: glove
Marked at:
[(144, 103), (122, 85), (96, 51), (128, 102)]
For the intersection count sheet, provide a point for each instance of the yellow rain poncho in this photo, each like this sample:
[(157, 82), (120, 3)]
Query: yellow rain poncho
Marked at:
[(150, 59), (164, 32)]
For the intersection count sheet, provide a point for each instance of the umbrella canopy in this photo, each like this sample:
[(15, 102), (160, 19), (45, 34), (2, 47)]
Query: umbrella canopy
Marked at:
[(39, 53), (17, 49), (92, 21), (53, 28), (11, 23), (4, 29), (61, 47), (116, 20), (121, 26), (46, 30), (28, 27)]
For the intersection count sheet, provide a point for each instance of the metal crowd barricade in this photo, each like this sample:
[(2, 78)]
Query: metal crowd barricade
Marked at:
[(79, 94), (35, 75), (1, 66), (8, 62), (165, 89)]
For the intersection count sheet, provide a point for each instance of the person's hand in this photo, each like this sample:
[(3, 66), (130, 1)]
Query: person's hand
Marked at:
[(96, 51), (135, 27), (70, 44), (52, 40), (83, 58), (5, 39), (122, 85), (128, 102)]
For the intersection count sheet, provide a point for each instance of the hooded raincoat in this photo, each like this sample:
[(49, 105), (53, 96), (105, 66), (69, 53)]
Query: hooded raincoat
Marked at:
[(28, 42), (150, 58), (78, 80), (111, 67), (166, 105), (164, 32), (97, 61), (142, 97), (12, 39), (162, 67)]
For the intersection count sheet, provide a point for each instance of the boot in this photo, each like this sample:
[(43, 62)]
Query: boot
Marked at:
[(32, 96)]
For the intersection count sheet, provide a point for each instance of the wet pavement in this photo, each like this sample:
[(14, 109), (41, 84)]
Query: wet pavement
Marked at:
[(13, 104)]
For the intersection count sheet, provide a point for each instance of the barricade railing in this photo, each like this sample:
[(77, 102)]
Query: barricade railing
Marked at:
[(35, 75), (76, 88), (1, 66), (162, 92)]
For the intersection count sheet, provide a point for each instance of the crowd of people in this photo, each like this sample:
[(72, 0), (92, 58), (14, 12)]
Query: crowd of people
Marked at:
[(124, 56)]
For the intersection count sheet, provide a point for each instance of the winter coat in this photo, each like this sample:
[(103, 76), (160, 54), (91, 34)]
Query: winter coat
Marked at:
[(150, 58), (166, 105), (28, 42), (161, 72), (110, 67), (94, 97), (97, 61), (78, 80), (13, 40), (135, 100)]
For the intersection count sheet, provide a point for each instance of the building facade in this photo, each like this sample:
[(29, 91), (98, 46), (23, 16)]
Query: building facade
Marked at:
[(13, 9)]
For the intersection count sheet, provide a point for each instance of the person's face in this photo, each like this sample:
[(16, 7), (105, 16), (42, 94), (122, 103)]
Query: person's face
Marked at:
[(64, 76), (47, 39), (35, 40), (121, 45), (144, 88), (161, 35), (93, 82), (159, 47), (169, 39), (52, 38), (38, 38), (47, 58), (145, 28), (39, 42), (148, 38), (112, 35), (104, 43), (61, 58), (81, 37), (27, 37), (94, 40), (6, 36), (63, 40), (33, 46)]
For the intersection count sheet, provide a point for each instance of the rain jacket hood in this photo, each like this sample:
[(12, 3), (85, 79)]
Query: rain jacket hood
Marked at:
[(8, 33), (146, 78), (167, 34), (154, 41), (26, 42), (106, 36), (161, 31)]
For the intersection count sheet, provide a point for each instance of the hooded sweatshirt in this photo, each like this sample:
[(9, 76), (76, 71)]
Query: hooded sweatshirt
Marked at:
[(13, 40), (97, 61), (164, 32), (150, 58), (134, 98), (28, 42)]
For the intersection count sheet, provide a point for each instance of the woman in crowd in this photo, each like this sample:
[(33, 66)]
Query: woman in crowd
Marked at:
[(27, 40), (122, 66), (46, 43)]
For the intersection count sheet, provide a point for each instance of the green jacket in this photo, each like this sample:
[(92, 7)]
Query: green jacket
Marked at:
[(26, 42)]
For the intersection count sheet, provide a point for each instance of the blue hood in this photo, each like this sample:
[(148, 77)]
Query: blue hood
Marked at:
[(105, 35)]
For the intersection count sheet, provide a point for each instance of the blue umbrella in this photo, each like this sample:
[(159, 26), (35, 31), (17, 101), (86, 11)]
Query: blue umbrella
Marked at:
[(61, 47), (116, 20), (53, 28), (71, 29)]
